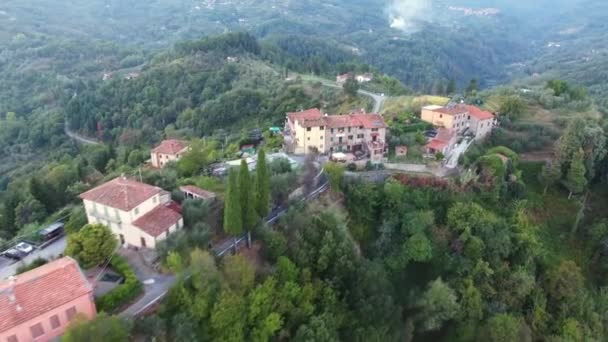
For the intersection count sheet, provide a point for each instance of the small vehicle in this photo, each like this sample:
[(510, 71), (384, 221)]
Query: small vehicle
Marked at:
[(13, 254), (430, 133), (24, 248)]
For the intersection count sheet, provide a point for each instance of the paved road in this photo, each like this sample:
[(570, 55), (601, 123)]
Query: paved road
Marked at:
[(78, 137), (51, 251), (154, 291), (378, 98), (459, 150)]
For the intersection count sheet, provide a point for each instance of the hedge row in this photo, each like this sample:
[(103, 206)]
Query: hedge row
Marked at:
[(125, 292)]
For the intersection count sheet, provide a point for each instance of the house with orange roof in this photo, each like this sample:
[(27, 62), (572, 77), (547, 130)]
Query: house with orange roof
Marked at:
[(312, 130), (168, 151), (139, 215), (460, 118), (38, 305), (194, 192)]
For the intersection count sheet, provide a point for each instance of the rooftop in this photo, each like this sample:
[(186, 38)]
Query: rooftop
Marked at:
[(121, 193), (33, 293), (314, 118), (479, 113), (159, 219), (170, 146)]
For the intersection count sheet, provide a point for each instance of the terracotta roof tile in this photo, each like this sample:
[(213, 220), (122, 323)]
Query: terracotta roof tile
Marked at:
[(121, 193), (436, 144), (170, 146), (158, 220), (310, 114), (33, 293), (479, 113), (453, 110), (198, 191)]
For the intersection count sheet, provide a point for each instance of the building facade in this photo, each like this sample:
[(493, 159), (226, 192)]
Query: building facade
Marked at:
[(311, 130), (38, 305), (167, 151), (138, 214), (460, 119)]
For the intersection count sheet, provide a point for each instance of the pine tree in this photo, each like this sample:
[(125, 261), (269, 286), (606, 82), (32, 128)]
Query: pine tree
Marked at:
[(262, 185), (550, 174), (575, 180), (248, 212), (233, 223)]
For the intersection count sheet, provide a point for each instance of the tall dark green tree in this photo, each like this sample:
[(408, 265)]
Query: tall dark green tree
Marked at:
[(262, 185), (473, 87), (233, 224), (575, 179), (351, 87), (40, 191), (248, 212)]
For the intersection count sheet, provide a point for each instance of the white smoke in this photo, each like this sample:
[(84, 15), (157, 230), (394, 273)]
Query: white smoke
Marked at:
[(406, 15)]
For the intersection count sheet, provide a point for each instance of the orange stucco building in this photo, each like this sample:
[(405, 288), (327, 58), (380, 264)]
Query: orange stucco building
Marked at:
[(38, 305)]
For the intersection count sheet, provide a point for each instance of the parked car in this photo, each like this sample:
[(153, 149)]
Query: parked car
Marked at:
[(430, 133), (24, 247), (13, 254)]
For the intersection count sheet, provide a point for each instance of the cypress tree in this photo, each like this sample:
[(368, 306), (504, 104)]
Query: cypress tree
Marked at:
[(575, 180), (249, 214), (233, 224), (262, 185)]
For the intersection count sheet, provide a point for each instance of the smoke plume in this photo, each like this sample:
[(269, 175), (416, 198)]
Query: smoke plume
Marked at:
[(407, 15)]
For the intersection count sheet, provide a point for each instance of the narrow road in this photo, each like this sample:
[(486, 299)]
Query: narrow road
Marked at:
[(49, 252), (378, 98), (78, 137)]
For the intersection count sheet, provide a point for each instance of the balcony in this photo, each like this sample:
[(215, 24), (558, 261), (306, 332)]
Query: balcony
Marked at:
[(102, 216)]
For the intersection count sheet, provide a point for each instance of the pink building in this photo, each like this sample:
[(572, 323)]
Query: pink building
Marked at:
[(168, 151), (38, 305)]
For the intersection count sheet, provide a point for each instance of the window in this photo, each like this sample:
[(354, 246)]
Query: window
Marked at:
[(308, 129), (136, 211), (374, 130), (332, 130), (12, 338), (469, 117), (37, 330), (55, 322), (308, 138), (360, 127), (331, 139), (70, 313), (350, 137), (154, 199), (322, 128), (348, 129), (441, 115), (360, 136)]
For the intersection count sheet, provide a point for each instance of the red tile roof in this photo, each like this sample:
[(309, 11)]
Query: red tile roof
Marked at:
[(479, 114), (436, 144), (33, 293), (121, 193), (314, 117), (198, 191), (310, 114), (158, 220), (453, 110), (170, 146)]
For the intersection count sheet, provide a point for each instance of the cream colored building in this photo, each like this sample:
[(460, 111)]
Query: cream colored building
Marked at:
[(168, 151), (138, 214), (460, 118), (311, 130)]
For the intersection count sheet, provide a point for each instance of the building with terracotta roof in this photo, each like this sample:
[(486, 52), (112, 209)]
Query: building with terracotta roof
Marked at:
[(311, 130), (39, 304), (138, 214), (460, 118), (168, 151), (443, 142)]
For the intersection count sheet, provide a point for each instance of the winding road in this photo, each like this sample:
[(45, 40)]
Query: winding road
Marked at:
[(378, 98)]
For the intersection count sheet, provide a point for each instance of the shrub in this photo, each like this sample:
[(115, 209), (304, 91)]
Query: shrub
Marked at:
[(351, 167), (34, 264), (125, 292)]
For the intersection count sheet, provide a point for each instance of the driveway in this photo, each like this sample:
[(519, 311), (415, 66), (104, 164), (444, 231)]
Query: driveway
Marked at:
[(459, 150), (156, 285), (51, 251)]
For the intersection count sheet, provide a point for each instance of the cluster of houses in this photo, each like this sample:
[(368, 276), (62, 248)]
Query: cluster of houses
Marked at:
[(455, 121), (313, 131)]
